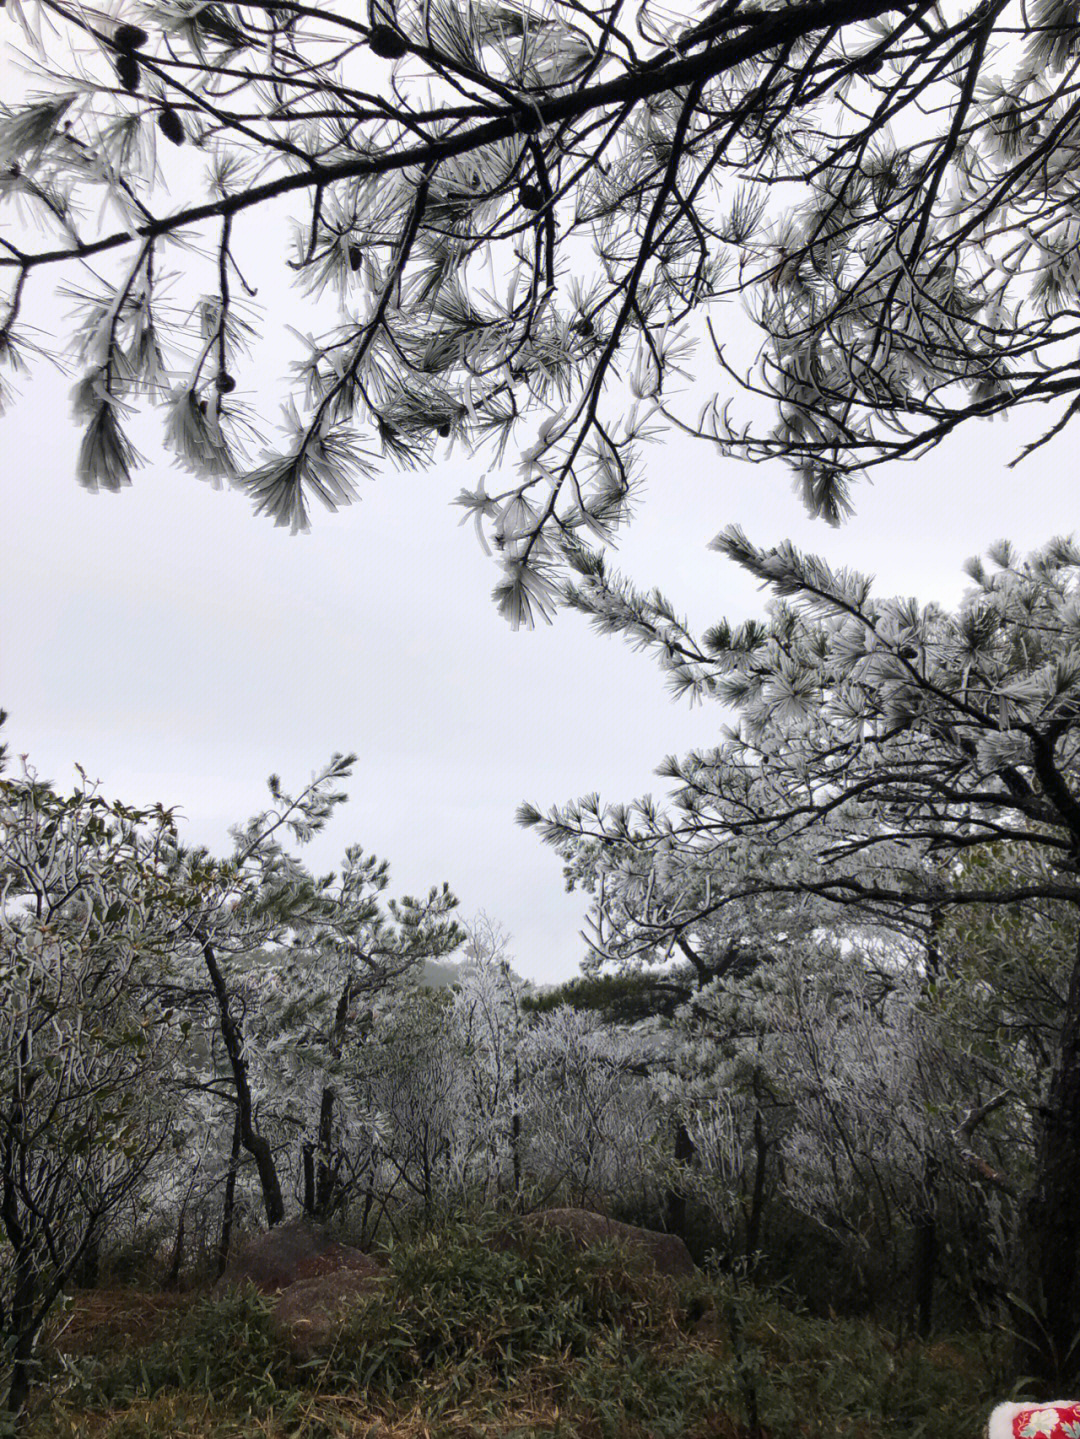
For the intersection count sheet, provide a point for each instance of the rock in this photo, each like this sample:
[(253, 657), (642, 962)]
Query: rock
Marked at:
[(282, 1256), (309, 1314), (666, 1253)]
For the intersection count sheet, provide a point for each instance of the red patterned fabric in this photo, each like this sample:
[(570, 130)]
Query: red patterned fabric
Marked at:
[(1057, 1420)]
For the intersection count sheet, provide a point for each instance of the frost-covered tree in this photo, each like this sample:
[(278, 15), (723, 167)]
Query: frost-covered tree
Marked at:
[(262, 894), (842, 1098), (532, 211), (87, 927), (878, 744), (588, 1112), (356, 951), (266, 974), (291, 958), (1004, 971), (492, 1024), (653, 913), (416, 1086)]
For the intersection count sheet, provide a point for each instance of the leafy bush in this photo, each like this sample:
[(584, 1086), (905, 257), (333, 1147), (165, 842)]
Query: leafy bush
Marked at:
[(487, 1300), (823, 1378), (481, 1330), (223, 1346)]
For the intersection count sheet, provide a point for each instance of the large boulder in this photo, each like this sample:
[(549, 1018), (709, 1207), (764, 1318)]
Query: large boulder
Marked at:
[(309, 1314), (282, 1256), (666, 1253)]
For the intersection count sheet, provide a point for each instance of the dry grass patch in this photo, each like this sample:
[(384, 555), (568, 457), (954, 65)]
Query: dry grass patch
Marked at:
[(464, 1341), (102, 1321)]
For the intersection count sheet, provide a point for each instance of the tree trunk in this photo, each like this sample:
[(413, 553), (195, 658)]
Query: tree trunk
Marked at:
[(515, 1152), (757, 1198), (1048, 1347), (19, 1388), (307, 1155), (369, 1200), (326, 1173), (924, 1260), (925, 1257), (89, 1269), (18, 1329), (744, 1368), (23, 1332), (324, 1176), (256, 1144), (228, 1207), (172, 1279), (675, 1199), (428, 1185)]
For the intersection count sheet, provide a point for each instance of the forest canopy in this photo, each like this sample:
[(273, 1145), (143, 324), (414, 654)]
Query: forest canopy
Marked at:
[(889, 764), (194, 1045), (533, 220)]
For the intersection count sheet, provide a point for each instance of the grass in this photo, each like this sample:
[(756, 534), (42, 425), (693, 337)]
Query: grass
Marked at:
[(472, 1338)]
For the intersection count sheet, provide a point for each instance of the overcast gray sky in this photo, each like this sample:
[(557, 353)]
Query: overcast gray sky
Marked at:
[(181, 649)]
